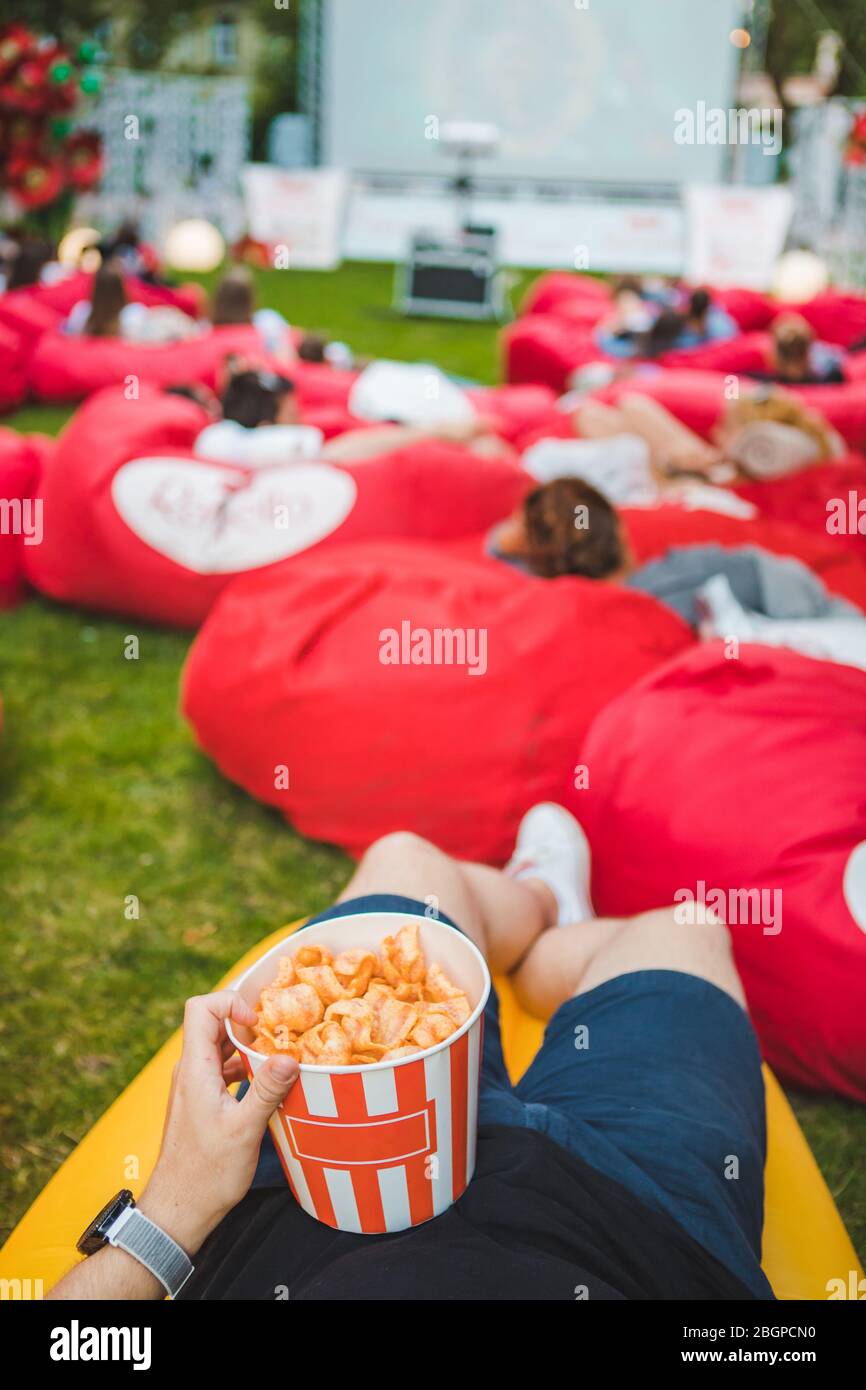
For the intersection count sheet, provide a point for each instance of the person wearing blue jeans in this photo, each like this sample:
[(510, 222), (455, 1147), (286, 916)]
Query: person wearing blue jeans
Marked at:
[(626, 1163)]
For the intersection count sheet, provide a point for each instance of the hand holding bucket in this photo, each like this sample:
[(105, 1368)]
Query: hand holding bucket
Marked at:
[(385, 1145)]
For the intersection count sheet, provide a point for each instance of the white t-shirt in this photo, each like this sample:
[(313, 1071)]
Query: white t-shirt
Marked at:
[(269, 445), (411, 393)]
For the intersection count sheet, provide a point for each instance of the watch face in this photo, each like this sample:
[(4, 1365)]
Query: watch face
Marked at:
[(95, 1236)]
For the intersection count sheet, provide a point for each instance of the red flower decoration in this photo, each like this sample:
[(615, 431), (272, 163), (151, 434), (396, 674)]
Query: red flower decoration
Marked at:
[(855, 150), (21, 135), (35, 182), (25, 89), (82, 158), (16, 43)]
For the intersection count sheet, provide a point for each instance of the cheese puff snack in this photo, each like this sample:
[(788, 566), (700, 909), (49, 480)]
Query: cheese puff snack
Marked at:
[(358, 1007)]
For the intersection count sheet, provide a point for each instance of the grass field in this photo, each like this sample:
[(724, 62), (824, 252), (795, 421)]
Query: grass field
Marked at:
[(103, 795)]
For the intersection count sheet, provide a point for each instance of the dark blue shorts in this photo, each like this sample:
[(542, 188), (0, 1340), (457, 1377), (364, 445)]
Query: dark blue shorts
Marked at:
[(653, 1078)]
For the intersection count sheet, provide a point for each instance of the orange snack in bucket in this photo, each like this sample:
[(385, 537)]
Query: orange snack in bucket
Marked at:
[(358, 1007)]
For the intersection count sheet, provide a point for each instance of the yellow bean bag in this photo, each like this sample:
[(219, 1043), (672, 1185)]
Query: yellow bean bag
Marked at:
[(805, 1242)]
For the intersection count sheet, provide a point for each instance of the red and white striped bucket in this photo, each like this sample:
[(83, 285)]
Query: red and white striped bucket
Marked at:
[(386, 1145)]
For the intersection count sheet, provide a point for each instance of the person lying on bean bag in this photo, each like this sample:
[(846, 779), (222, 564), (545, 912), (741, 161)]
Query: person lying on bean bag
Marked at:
[(705, 321), (600, 1175), (798, 358), (568, 527), (138, 521), (262, 425), (234, 301), (761, 436), (109, 313), (623, 332), (261, 421)]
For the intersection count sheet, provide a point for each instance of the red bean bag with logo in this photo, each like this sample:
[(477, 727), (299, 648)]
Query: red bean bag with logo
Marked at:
[(747, 775), (652, 531), (64, 368), (22, 458), (134, 523), (288, 673), (13, 370)]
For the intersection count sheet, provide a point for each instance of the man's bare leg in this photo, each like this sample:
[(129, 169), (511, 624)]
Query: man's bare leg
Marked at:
[(512, 923), (503, 916), (574, 959)]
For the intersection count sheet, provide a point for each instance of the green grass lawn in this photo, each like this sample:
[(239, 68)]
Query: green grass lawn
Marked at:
[(103, 795)]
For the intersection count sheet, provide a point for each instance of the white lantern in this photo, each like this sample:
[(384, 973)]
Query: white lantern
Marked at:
[(799, 275), (194, 245), (74, 245)]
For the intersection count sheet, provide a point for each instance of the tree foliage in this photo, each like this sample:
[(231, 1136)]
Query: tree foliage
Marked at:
[(797, 25)]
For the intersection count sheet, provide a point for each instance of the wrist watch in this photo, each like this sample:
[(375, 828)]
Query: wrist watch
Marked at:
[(121, 1224)]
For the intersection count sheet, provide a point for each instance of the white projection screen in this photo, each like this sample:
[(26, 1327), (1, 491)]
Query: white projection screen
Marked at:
[(582, 90)]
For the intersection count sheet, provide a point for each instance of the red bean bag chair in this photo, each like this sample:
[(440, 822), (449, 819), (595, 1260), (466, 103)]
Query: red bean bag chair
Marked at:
[(23, 313), (652, 531), (835, 316), (748, 775), (13, 370), (751, 310), (562, 290), (307, 672), (828, 500), (747, 353), (22, 458), (134, 523), (546, 349), (36, 309), (63, 368)]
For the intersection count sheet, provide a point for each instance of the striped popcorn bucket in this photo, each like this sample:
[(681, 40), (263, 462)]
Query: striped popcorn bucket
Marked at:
[(386, 1145)]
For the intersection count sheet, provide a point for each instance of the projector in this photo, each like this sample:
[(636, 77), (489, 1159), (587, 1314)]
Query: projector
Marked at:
[(469, 139)]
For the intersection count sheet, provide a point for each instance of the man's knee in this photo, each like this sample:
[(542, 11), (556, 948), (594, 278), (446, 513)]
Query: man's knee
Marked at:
[(399, 847), (662, 940)]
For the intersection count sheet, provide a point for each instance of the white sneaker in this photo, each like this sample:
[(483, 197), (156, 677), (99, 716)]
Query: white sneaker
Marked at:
[(552, 846)]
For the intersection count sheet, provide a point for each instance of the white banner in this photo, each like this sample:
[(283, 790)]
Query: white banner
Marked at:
[(300, 210), (571, 233), (735, 234)]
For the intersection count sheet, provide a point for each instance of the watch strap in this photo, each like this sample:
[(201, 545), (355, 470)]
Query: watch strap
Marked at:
[(146, 1242)]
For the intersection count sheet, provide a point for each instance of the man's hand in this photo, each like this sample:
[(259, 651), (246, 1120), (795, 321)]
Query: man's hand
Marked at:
[(210, 1146), (211, 1142)]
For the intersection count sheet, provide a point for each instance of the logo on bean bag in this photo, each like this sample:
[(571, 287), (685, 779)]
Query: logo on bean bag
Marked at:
[(215, 520), (854, 884)]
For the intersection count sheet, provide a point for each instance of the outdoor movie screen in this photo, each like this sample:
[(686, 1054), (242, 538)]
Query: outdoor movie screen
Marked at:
[(580, 89)]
